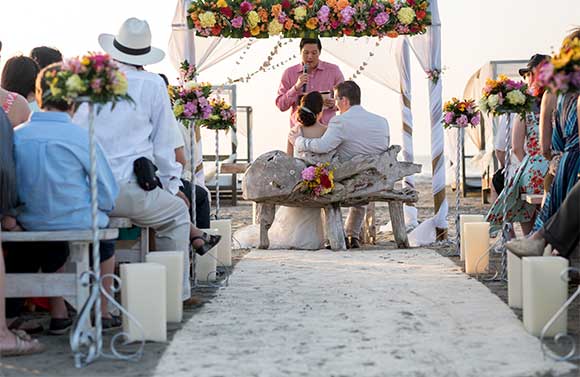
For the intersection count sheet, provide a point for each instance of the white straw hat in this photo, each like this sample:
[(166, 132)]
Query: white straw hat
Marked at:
[(132, 44)]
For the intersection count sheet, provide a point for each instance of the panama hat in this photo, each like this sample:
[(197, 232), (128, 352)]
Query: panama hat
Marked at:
[(132, 44)]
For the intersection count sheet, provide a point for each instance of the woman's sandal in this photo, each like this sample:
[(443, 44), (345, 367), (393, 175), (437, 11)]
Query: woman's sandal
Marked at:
[(209, 242), (24, 346)]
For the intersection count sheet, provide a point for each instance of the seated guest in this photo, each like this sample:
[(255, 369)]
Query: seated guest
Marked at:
[(19, 76), (560, 231), (150, 122), (52, 165), (45, 56)]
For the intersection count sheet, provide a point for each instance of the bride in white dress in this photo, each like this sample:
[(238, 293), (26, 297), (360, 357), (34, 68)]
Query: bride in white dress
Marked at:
[(294, 227)]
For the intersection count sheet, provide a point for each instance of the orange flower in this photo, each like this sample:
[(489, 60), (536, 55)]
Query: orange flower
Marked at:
[(276, 10), (342, 4), (392, 34), (288, 24), (263, 14), (193, 17), (312, 23), (255, 30), (331, 3)]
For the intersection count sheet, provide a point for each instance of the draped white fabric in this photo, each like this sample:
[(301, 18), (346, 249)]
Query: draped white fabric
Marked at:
[(381, 66), (427, 48)]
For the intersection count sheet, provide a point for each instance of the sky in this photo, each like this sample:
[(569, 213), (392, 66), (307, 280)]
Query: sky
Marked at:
[(473, 33)]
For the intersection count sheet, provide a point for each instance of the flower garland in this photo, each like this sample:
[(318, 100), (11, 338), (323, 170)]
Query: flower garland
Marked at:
[(460, 114), (93, 76), (504, 96), (561, 74), (317, 180), (302, 18)]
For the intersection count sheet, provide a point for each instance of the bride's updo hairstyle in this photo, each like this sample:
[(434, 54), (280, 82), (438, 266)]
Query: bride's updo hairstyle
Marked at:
[(310, 106)]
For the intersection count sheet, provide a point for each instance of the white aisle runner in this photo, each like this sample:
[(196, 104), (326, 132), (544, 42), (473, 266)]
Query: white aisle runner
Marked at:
[(367, 313)]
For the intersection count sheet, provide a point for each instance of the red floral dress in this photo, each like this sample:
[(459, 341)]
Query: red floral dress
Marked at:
[(528, 179)]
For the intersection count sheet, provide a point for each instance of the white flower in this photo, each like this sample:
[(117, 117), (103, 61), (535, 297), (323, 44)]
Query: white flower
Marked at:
[(493, 100), (190, 85), (516, 97), (483, 105)]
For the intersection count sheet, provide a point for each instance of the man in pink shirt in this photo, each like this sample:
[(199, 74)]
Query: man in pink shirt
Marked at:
[(311, 75)]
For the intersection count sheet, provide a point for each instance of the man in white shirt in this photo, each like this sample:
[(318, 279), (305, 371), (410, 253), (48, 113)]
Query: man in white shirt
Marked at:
[(145, 128), (354, 132)]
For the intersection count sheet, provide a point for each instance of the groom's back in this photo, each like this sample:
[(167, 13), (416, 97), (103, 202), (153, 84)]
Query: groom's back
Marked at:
[(363, 133)]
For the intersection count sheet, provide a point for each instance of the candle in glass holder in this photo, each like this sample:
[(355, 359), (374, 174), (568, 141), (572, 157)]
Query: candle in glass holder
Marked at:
[(476, 245), (544, 293), (224, 247), (463, 219)]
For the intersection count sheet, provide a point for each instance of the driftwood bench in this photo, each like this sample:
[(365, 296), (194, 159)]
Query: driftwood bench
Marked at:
[(275, 179)]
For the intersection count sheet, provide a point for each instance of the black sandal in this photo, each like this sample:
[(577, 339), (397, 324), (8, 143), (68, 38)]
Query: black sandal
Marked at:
[(209, 242)]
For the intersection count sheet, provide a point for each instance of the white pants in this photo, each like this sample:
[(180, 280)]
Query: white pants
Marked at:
[(354, 221), (165, 213)]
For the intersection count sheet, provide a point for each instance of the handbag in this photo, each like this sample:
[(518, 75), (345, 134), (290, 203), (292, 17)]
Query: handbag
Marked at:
[(144, 170)]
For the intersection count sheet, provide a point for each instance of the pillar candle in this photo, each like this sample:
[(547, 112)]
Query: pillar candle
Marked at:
[(206, 265), (544, 293), (476, 244), (463, 219), (143, 294), (173, 262), (514, 266), (224, 247)]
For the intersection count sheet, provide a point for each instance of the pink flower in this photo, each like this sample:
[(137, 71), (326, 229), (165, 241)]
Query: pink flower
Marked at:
[(449, 117), (96, 85), (334, 24), (545, 73), (245, 7), (382, 18), (237, 22), (309, 174), (561, 80), (190, 108), (476, 119), (462, 121)]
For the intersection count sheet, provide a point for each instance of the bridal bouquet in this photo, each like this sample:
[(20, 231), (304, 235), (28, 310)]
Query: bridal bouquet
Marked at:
[(506, 96), (190, 99), (318, 179), (94, 77), (460, 114), (561, 74), (223, 116)]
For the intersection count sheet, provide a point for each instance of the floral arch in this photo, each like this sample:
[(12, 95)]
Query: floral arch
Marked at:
[(209, 32)]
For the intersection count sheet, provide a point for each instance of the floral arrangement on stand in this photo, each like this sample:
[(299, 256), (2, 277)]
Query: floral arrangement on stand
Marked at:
[(302, 18), (223, 116), (503, 96), (190, 99), (317, 180), (92, 77), (561, 74), (460, 114)]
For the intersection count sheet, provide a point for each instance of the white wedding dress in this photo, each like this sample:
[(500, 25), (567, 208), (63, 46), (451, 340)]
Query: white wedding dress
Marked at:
[(293, 227)]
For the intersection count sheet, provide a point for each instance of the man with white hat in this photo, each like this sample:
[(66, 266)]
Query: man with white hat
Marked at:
[(144, 129)]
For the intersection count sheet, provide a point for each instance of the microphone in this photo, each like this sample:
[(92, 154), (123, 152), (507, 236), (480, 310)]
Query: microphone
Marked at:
[(304, 70)]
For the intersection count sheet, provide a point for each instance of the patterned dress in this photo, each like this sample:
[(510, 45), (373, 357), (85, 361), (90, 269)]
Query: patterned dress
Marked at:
[(528, 179), (565, 140)]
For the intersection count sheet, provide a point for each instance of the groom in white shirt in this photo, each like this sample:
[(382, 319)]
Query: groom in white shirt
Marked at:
[(354, 132)]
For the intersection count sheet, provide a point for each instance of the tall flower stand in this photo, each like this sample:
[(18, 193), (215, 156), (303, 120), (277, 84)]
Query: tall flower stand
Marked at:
[(507, 227), (87, 341), (460, 135)]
